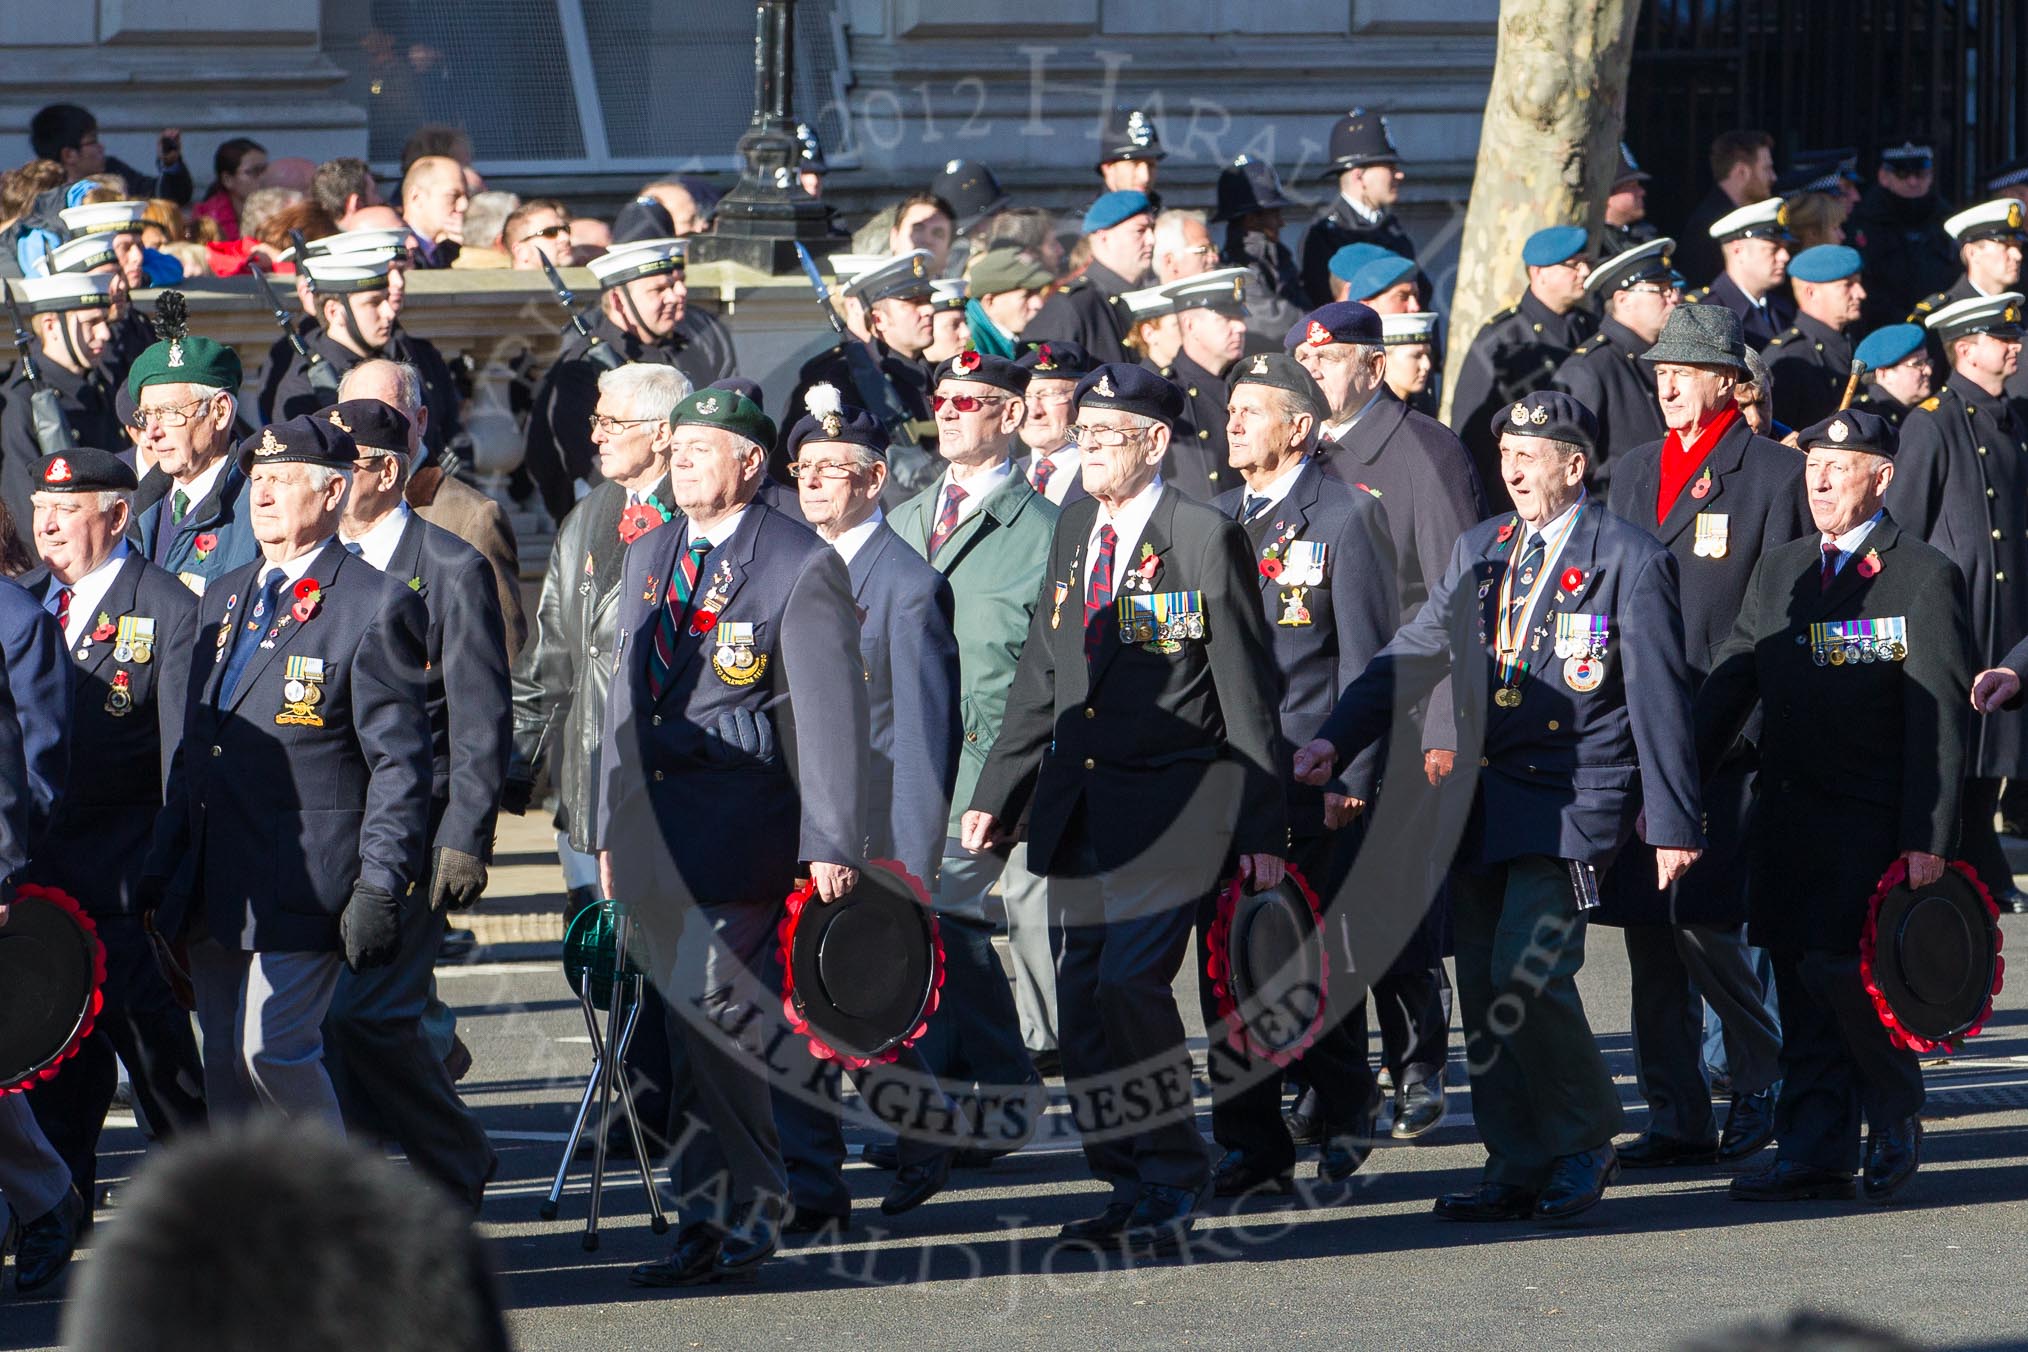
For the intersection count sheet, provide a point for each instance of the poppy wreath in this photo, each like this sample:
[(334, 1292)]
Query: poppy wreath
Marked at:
[(65, 902), (785, 932), (1869, 947), (1218, 966)]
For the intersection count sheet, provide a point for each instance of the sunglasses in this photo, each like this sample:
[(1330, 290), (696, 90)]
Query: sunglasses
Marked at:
[(546, 232), (965, 403)]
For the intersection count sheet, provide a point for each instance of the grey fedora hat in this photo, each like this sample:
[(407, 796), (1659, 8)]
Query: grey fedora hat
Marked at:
[(1701, 335)]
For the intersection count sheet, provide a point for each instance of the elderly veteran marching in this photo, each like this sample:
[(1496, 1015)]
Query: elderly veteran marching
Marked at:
[(1560, 624), (186, 404), (1141, 745), (736, 631), (129, 628), (294, 831), (69, 314), (1961, 483), (1855, 641), (1719, 497), (1636, 291)]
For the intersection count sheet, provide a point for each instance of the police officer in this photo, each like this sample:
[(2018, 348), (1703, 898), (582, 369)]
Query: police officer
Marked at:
[(1569, 622), (1521, 347), (1251, 203), (1604, 373), (1811, 360), (1331, 606), (1626, 209), (1120, 228), (1369, 176), (1211, 310), (186, 404), (310, 698), (1130, 153), (1855, 641), (1960, 481), (1898, 374), (70, 314), (129, 628), (735, 627), (1110, 754), (1755, 242), (1899, 225), (1718, 497)]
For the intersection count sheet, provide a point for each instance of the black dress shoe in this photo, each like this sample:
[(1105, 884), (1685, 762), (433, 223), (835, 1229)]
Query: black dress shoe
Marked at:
[(2013, 899), (1654, 1151), (1487, 1202), (1891, 1156), (1576, 1183), (1305, 1121), (1102, 1230), (916, 1183), (746, 1248), (1241, 1172), (1161, 1219), (458, 946), (1418, 1108), (808, 1220), (1788, 1181), (47, 1242), (881, 1155), (693, 1262), (1342, 1154), (1749, 1126)]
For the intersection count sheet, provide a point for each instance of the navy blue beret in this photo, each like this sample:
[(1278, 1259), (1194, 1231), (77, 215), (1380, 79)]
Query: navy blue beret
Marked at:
[(307, 439), (1057, 359), (372, 423), (1852, 430), (84, 469), (1551, 414), (832, 420), (1130, 389), (1002, 372), (1342, 321)]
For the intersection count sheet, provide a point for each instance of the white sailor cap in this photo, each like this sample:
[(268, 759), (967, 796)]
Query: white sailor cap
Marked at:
[(114, 216), (637, 258), (1151, 302), (1768, 219), (65, 291), (81, 254), (1221, 289), (1650, 262), (1402, 330), (844, 267), (949, 293), (1998, 219), (905, 275), (1999, 315), (336, 274), (354, 242)]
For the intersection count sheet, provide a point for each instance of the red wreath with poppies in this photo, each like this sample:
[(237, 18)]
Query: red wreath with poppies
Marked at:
[(785, 932), (63, 901), (1869, 946), (1218, 966)]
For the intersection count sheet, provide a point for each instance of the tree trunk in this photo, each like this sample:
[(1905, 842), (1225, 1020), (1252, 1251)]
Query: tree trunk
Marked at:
[(1548, 148)]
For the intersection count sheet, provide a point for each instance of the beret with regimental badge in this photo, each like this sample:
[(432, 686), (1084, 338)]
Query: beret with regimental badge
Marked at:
[(308, 439), (1555, 244), (1999, 219), (1115, 208), (1650, 262), (180, 357), (728, 411), (1130, 389), (1853, 429), (829, 418), (1002, 373), (907, 276), (1889, 346), (1825, 263), (1342, 321), (1998, 315), (84, 469), (373, 424), (1279, 371), (1765, 219), (1057, 359), (1550, 414), (740, 385)]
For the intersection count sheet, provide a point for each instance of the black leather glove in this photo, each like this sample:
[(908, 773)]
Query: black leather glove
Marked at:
[(370, 927), (516, 795), (456, 880), (149, 893)]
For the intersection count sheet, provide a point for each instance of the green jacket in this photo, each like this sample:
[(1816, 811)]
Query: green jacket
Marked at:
[(994, 562)]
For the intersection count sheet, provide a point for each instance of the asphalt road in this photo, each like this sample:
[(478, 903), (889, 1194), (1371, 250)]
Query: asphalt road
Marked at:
[(1666, 1257)]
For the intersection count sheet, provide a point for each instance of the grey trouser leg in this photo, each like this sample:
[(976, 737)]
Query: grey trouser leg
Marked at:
[(262, 1019)]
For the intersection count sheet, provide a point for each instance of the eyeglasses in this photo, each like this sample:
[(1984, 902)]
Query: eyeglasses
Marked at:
[(1111, 437), (173, 415), (965, 403), (1199, 249), (611, 426), (546, 232), (831, 470)]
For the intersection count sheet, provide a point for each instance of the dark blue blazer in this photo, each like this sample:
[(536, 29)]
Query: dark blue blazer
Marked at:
[(1343, 624), (1564, 772), (223, 513), (39, 674), (465, 683), (118, 759), (911, 664), (734, 786), (15, 826), (268, 825)]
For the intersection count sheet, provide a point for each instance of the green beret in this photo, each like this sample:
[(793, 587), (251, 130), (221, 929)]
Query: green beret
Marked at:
[(190, 360), (727, 409)]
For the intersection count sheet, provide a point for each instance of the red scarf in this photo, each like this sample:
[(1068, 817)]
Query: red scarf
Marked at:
[(1678, 464)]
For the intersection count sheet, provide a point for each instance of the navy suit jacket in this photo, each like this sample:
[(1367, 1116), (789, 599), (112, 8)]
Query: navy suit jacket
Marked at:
[(731, 785), (1323, 638), (118, 760), (911, 666), (1564, 772), (267, 825), (465, 683), (39, 674)]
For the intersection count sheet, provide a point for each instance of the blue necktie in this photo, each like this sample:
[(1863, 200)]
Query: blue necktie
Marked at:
[(246, 641), (1252, 506), (355, 549)]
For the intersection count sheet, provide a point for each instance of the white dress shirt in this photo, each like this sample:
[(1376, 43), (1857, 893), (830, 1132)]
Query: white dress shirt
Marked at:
[(1128, 524), (1276, 491), (86, 594), (378, 544), (1848, 543), (852, 541), (197, 489), (1066, 465)]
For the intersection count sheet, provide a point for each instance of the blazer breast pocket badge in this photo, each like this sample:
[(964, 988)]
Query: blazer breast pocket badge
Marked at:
[(1162, 622), (1295, 614), (302, 692), (1713, 535), (734, 659)]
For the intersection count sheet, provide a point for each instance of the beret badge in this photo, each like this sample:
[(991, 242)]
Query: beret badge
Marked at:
[(1104, 388), (269, 445), (1837, 431), (708, 406)]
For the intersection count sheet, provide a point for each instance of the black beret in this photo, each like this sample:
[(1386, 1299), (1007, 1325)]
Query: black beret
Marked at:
[(854, 426), (1057, 359), (1852, 430), (308, 439), (84, 469), (1280, 371), (1551, 414), (740, 385), (371, 423), (1130, 389), (1342, 321), (987, 369)]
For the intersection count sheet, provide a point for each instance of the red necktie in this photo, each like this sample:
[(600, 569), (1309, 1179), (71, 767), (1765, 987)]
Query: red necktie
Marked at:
[(668, 620), (1101, 594), (1830, 574), (63, 608), (1039, 475), (947, 519)]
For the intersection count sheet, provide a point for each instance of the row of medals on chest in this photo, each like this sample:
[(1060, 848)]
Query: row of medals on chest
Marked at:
[(133, 640)]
